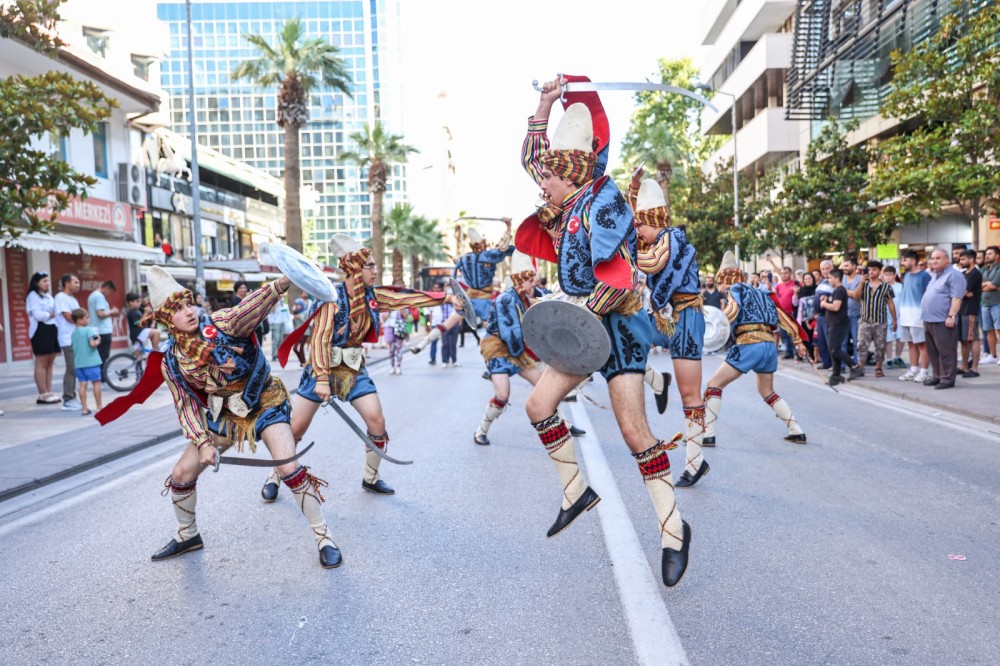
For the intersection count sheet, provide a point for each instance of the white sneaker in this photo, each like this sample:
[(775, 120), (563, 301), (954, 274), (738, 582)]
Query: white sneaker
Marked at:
[(72, 405), (907, 376), (989, 358), (921, 377)]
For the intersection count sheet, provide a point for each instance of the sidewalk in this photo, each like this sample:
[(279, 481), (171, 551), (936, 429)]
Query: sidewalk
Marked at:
[(977, 398), (40, 444)]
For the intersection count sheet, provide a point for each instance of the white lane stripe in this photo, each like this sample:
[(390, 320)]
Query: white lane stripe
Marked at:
[(653, 633), (960, 422)]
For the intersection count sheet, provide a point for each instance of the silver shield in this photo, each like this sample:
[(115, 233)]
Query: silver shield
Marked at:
[(566, 336), (716, 328), (303, 273), (467, 310)]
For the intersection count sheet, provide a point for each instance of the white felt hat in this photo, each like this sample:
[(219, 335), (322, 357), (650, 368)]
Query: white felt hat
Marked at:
[(520, 262), (161, 285), (575, 130), (650, 195), (342, 245), (475, 236)]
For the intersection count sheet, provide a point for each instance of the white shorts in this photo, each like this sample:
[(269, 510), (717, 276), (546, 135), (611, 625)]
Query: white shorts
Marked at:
[(914, 334), (144, 336)]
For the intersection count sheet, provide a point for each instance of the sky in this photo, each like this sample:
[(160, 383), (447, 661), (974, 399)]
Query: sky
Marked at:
[(484, 56)]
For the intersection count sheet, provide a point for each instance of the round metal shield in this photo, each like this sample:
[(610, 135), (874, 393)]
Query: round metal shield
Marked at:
[(716, 328), (467, 310), (303, 273), (566, 336)]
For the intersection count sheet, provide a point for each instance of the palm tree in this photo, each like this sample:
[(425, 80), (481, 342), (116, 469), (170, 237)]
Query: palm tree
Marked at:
[(397, 237), (378, 150), (427, 243), (296, 65)]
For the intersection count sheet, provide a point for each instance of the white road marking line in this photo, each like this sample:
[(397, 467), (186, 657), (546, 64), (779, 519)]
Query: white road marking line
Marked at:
[(653, 634), (887, 401)]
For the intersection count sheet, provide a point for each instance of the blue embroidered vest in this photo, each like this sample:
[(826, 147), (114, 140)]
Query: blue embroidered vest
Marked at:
[(756, 307), (505, 321), (680, 275), (342, 320), (478, 268)]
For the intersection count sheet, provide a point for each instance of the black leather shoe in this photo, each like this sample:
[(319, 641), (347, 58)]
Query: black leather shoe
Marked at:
[(380, 487), (566, 517), (675, 562), (569, 398), (482, 440), (835, 379), (486, 375), (662, 398), (686, 480), (932, 381), (970, 374), (174, 549), (944, 385), (708, 441), (330, 557), (269, 492), (577, 432), (796, 439)]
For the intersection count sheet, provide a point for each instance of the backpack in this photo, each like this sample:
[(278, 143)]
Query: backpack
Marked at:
[(399, 328)]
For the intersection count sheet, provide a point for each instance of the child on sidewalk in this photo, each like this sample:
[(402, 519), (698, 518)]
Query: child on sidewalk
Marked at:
[(88, 360)]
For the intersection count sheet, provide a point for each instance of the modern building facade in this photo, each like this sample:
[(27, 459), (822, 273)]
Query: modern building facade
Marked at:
[(238, 120)]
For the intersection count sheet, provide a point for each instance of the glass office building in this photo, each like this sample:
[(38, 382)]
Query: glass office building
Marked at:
[(239, 120)]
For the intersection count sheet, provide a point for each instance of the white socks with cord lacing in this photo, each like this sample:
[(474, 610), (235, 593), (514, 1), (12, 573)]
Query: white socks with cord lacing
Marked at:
[(654, 464), (373, 460), (184, 497), (713, 403), (694, 432), (435, 334), (654, 379), (554, 434), (306, 490), (494, 409), (784, 413)]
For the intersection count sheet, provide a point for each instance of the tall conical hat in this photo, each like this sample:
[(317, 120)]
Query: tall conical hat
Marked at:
[(650, 195), (475, 236), (575, 130), (729, 272), (520, 262), (161, 285), (341, 245)]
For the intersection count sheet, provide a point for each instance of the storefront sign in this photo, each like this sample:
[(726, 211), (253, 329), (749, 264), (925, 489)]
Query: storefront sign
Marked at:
[(17, 292), (92, 271), (994, 222), (93, 213), (888, 251)]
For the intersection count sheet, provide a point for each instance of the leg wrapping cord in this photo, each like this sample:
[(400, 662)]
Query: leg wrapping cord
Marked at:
[(494, 408), (372, 460), (554, 434), (713, 403), (654, 464), (694, 432), (784, 413), (305, 489)]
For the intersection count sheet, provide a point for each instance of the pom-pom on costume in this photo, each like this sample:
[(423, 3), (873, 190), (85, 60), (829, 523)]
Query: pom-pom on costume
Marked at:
[(754, 316), (671, 266), (336, 357), (221, 384), (593, 239)]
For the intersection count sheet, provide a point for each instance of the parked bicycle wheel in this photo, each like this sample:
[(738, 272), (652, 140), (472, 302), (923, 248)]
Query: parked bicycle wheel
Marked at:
[(123, 371)]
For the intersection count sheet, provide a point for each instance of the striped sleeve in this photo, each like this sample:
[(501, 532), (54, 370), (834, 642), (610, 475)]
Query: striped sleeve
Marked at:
[(240, 320), (322, 341), (789, 325), (535, 143), (399, 299), (605, 299), (190, 414), (654, 259), (731, 309)]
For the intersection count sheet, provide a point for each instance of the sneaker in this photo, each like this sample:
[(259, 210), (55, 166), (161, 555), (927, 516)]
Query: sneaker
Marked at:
[(856, 372), (72, 405), (989, 358), (970, 374), (921, 377), (907, 376)]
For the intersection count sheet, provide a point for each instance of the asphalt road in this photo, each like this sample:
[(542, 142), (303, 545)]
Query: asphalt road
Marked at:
[(841, 551)]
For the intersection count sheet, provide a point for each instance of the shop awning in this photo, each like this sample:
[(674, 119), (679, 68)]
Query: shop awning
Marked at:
[(45, 243), (118, 249)]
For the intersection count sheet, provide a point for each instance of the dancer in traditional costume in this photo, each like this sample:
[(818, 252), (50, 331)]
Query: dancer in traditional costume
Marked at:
[(475, 270), (503, 346), (337, 362), (754, 317), (222, 387), (671, 266), (595, 245)]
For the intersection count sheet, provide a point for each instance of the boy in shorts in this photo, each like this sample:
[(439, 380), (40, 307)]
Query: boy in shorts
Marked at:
[(85, 340), (148, 338)]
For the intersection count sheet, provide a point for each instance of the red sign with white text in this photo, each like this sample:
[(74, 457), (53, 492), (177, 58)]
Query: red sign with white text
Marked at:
[(91, 213), (16, 262)]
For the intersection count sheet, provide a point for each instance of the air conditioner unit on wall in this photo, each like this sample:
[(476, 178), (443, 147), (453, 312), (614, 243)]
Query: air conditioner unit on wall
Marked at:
[(132, 184), (189, 253)]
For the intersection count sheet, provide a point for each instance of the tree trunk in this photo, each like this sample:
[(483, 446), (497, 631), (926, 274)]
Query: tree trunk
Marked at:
[(397, 268), (414, 271), (376, 188), (293, 214)]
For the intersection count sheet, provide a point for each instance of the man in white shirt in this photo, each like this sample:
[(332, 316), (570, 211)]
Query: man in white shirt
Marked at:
[(280, 321), (66, 302)]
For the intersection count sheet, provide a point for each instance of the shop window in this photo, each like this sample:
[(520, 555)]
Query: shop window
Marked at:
[(97, 40)]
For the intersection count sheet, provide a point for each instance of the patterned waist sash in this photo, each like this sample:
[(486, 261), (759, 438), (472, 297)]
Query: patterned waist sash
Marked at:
[(492, 347), (678, 302), (746, 334), (240, 429), (479, 293)]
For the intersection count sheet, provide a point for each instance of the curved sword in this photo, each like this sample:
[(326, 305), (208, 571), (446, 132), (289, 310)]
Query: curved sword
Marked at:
[(255, 462), (364, 436), (596, 86)]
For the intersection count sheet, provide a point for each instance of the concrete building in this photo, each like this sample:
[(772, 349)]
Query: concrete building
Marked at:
[(238, 120)]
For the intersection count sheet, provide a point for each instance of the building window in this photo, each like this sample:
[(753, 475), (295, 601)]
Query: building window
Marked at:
[(97, 40), (101, 151), (140, 65)]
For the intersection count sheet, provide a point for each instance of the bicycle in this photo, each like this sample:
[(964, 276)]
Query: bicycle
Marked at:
[(124, 369)]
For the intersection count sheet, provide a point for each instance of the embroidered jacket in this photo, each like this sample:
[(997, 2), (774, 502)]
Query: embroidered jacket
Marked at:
[(477, 269), (747, 305), (671, 265), (354, 318), (505, 321), (596, 238), (230, 330)]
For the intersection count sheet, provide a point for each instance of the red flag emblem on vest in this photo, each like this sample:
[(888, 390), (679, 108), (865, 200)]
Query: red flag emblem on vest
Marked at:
[(210, 332), (373, 304), (574, 225)]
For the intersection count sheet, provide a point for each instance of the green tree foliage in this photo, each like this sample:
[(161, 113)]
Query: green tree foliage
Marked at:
[(665, 134), (296, 65), (708, 212), (378, 150), (412, 236), (53, 103), (949, 88)]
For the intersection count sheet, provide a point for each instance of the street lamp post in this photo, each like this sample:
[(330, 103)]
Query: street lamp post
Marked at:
[(199, 260), (736, 170)]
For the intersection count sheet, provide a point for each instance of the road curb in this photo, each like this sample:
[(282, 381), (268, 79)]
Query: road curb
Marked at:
[(924, 402), (34, 484)]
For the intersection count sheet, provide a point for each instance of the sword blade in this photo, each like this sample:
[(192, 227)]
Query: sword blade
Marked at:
[(597, 86), (255, 462), (364, 436), (820, 375)]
